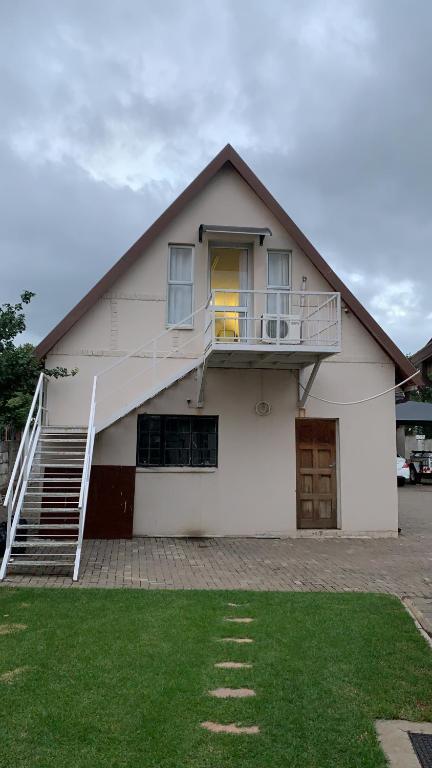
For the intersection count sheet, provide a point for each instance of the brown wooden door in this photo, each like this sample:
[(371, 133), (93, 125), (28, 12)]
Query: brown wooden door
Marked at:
[(316, 473)]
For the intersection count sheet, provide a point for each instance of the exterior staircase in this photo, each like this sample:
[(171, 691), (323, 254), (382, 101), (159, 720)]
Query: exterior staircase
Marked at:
[(46, 500), (47, 530)]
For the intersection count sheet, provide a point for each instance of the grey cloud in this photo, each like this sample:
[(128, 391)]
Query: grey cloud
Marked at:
[(109, 109)]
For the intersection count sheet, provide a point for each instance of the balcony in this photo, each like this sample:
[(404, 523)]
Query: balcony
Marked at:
[(271, 329)]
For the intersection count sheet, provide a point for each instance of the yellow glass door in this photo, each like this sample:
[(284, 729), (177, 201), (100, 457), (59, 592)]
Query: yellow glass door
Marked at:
[(229, 281)]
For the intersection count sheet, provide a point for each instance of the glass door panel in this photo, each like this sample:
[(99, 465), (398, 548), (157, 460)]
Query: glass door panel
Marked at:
[(229, 278)]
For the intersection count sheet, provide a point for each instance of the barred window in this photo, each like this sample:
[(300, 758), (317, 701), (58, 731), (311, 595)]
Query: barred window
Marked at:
[(177, 441)]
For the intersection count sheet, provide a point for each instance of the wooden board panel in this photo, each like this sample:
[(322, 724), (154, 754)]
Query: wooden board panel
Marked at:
[(316, 473), (110, 503)]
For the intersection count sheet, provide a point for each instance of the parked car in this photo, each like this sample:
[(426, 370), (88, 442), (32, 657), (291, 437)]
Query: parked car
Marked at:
[(420, 466), (402, 470)]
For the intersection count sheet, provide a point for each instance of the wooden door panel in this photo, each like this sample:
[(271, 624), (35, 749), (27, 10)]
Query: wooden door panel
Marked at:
[(324, 484), (307, 509), (306, 457), (324, 509), (324, 457), (306, 484), (316, 473)]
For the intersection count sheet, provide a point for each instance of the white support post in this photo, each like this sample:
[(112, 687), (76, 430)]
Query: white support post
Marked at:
[(304, 389), (201, 371), (213, 317)]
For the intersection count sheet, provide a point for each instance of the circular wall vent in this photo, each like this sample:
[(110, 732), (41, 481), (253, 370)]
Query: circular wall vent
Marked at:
[(263, 408)]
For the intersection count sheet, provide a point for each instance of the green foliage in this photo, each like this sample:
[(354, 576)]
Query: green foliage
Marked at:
[(12, 321), (423, 395), (19, 366)]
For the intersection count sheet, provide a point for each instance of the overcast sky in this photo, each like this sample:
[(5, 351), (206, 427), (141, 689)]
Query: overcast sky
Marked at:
[(109, 108)]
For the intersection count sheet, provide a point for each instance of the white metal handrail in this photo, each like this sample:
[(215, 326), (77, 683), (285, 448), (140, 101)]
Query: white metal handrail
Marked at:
[(156, 350), (21, 470), (85, 480), (152, 342)]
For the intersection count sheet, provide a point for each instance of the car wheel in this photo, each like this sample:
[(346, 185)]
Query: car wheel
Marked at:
[(401, 481), (413, 476)]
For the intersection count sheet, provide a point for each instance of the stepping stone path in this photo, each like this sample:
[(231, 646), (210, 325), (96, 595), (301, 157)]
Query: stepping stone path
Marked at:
[(233, 693), (231, 728)]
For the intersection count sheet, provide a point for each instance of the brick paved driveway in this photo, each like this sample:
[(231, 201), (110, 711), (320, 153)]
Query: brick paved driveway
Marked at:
[(402, 566)]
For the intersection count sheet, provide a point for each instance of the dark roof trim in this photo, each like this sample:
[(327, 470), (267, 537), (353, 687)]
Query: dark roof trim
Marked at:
[(260, 232), (228, 155), (423, 354)]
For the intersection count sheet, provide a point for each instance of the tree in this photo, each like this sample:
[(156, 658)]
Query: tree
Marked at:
[(422, 394), (19, 366)]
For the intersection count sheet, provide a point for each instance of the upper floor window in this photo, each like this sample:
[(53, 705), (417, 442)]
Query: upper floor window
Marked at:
[(180, 285), (278, 279)]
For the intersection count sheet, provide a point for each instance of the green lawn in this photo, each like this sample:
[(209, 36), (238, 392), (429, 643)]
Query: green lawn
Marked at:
[(120, 678)]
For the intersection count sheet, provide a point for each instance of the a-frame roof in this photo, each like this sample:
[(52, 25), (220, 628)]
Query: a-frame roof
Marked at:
[(228, 156)]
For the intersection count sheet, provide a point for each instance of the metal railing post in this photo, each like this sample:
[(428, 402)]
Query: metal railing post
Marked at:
[(9, 523), (85, 479)]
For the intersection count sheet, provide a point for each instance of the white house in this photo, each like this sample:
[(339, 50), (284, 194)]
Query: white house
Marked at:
[(200, 356)]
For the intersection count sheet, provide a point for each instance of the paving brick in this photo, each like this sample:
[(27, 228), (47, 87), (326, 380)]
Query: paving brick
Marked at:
[(401, 566)]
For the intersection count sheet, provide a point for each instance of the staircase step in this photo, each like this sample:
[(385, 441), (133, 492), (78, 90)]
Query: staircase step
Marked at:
[(48, 526), (71, 508), (54, 494), (63, 428), (42, 562), (52, 452), (59, 439), (44, 465), (66, 481), (45, 543)]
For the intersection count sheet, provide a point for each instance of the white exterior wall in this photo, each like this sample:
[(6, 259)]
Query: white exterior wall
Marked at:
[(253, 490)]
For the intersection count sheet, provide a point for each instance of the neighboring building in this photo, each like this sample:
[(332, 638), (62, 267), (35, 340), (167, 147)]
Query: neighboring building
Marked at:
[(206, 338), (423, 361)]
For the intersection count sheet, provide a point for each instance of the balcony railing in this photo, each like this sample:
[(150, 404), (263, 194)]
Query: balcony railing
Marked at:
[(309, 319)]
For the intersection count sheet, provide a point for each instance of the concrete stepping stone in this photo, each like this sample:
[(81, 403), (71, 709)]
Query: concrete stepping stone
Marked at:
[(235, 620), (232, 693), (9, 677), (230, 728), (232, 665), (237, 605), (8, 629), (237, 640)]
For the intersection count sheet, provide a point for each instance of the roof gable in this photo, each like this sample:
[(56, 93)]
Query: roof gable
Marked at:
[(423, 354), (229, 156)]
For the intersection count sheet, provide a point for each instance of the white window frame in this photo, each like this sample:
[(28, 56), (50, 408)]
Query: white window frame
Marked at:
[(191, 247), (279, 287)]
